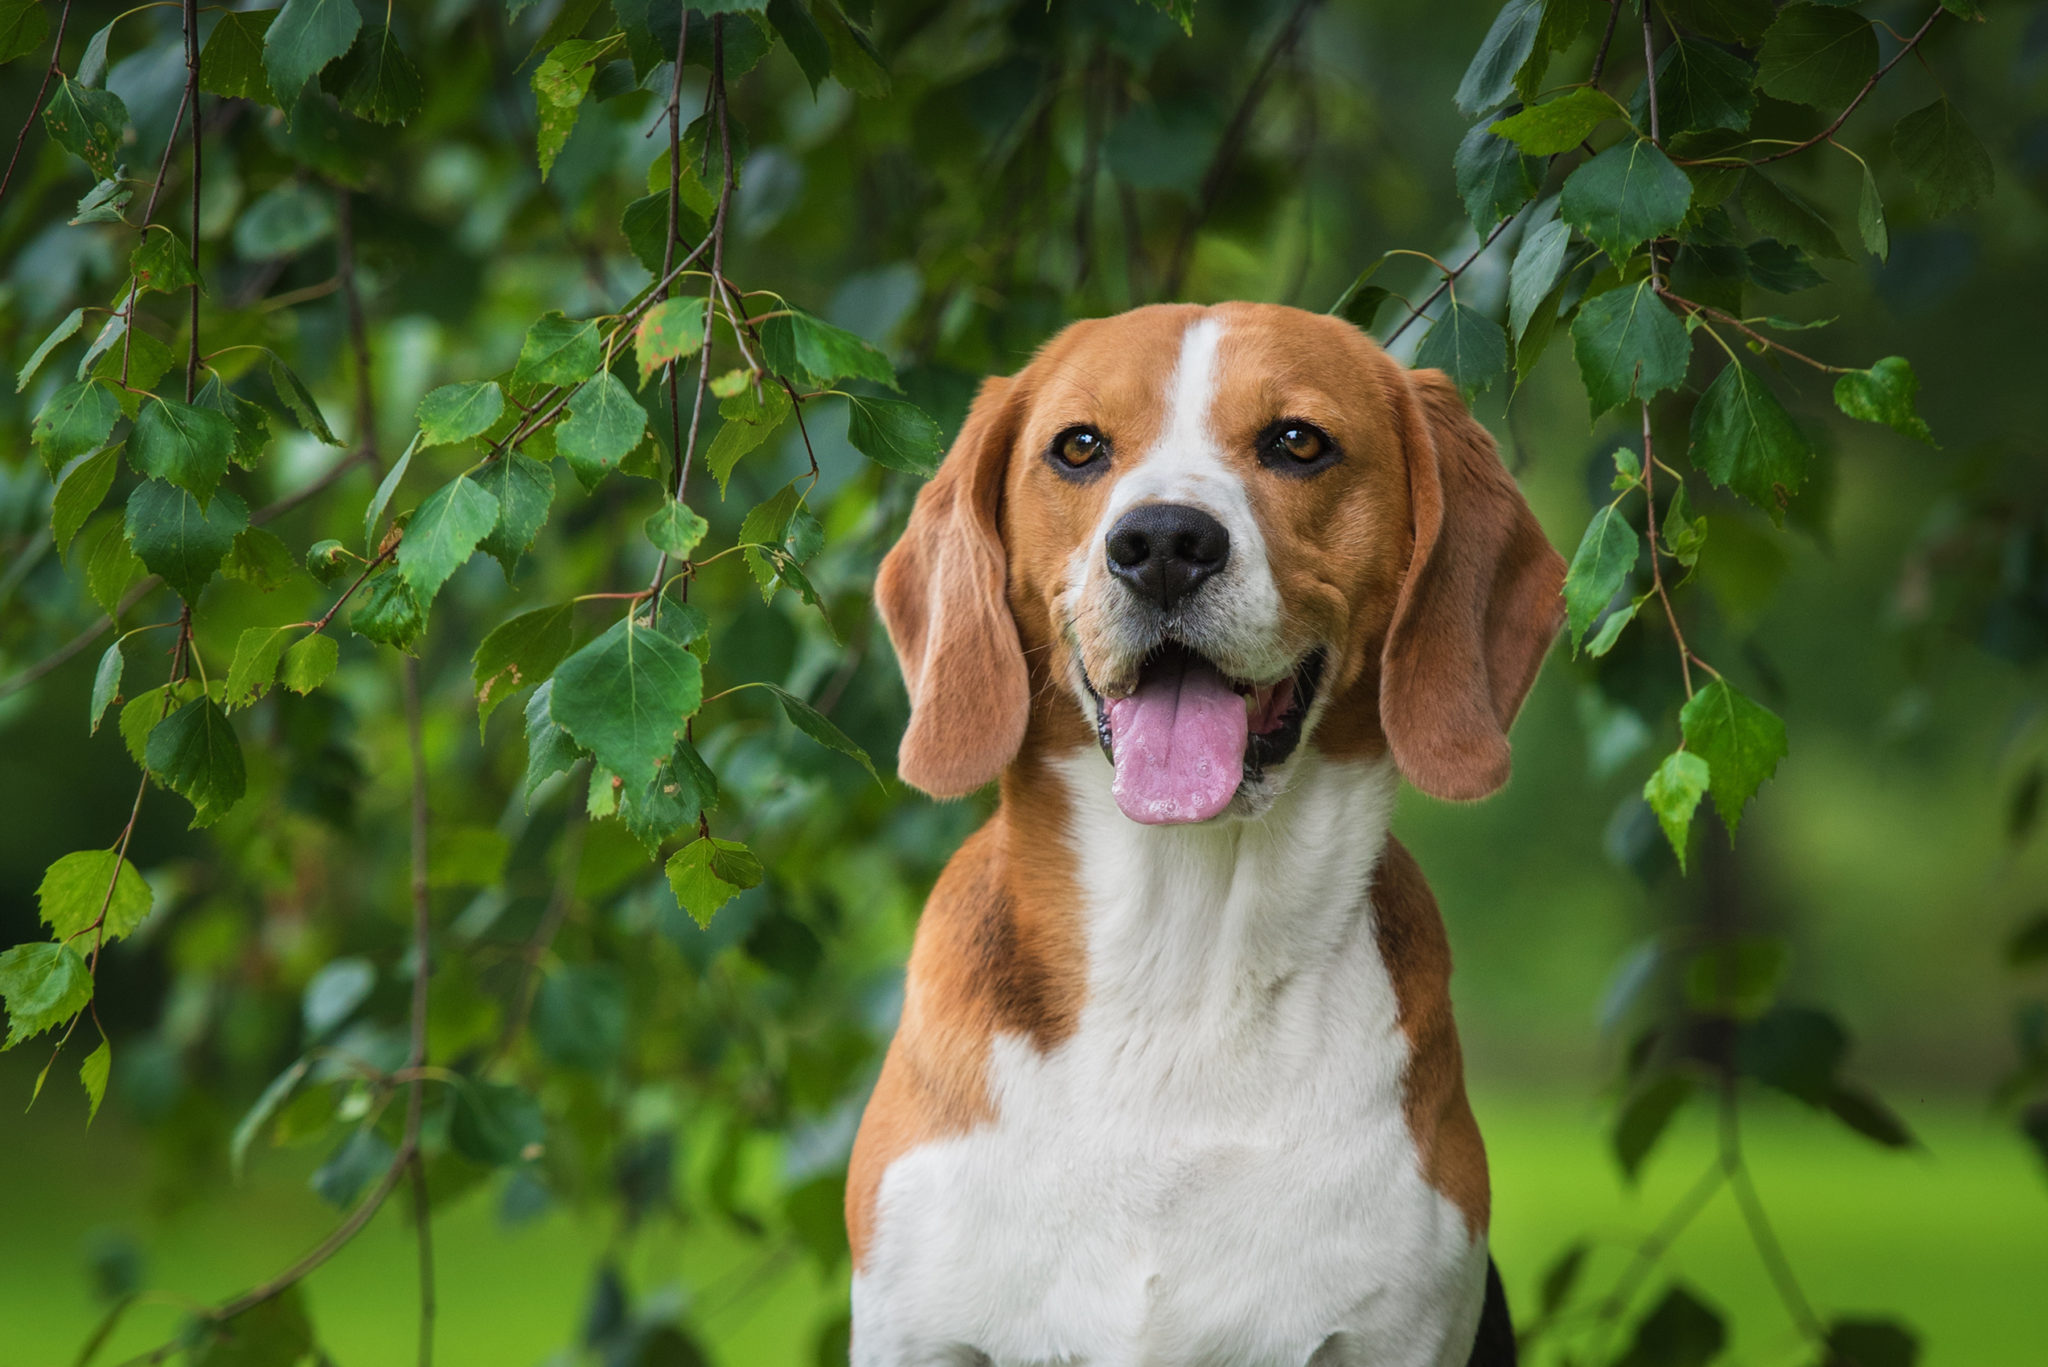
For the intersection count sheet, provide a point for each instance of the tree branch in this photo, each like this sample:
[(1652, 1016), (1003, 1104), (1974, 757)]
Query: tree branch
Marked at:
[(36, 105), (1229, 146), (358, 331)]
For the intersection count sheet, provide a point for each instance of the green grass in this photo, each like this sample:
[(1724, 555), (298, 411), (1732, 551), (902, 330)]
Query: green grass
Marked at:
[(1954, 1239)]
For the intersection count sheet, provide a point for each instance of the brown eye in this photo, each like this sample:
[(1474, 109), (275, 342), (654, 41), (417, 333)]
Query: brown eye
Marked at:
[(1079, 446), (1301, 442)]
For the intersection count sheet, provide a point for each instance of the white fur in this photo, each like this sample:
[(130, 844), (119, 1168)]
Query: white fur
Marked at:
[(1214, 1167), (1233, 619)]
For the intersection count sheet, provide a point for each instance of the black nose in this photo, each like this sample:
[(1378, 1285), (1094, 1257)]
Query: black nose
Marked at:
[(1165, 550)]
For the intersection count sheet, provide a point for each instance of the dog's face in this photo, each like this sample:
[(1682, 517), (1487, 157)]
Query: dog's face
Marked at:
[(1204, 539)]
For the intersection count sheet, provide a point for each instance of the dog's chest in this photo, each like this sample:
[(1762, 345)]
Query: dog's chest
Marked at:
[(1215, 1167)]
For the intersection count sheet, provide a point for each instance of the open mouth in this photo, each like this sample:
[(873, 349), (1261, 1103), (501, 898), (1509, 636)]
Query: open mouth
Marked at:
[(1188, 735)]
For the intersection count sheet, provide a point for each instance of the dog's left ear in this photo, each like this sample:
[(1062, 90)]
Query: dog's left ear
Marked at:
[(1477, 611)]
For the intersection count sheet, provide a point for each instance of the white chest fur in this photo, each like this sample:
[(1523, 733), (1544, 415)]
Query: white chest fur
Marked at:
[(1214, 1167)]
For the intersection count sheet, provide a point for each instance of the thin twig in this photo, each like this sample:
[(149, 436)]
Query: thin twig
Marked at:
[(1417, 310), (422, 972), (36, 105), (1732, 321), (1228, 147), (1765, 1239), (1606, 38), (422, 1214), (1656, 567)]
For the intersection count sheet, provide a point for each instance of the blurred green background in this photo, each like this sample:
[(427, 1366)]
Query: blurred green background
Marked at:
[(1899, 628)]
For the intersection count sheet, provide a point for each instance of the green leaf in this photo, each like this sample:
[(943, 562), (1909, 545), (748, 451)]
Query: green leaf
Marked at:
[(1611, 628), (77, 419), (1538, 264), (1779, 213), (1818, 55), (380, 499), (1738, 977), (549, 748), (580, 1016), (1729, 21), (496, 1123), (232, 62), (106, 682), (1682, 1331), (1884, 393), (797, 344), (1489, 80), (1877, 238), (1871, 1343), (1741, 741), (81, 494), (1467, 346), (141, 714), (306, 36), (1948, 164), (103, 203), (260, 560), (1607, 553), (111, 566), (44, 985), (1628, 194), (308, 663), (1558, 125), (519, 652), (162, 261), (525, 490), (1628, 345), (800, 34), (388, 613), (645, 224), (92, 1075), (557, 351), (560, 84), (1361, 300), (670, 331), (605, 423), (257, 653), (272, 1333), (250, 422), (855, 63), (293, 394), (194, 753), (1644, 1118), (383, 85), (1864, 1113), (819, 728), (286, 220), (87, 123), (443, 533), (1674, 793), (25, 23), (457, 412), (681, 792), (356, 1162), (1743, 439), (745, 422), (58, 336), (1494, 179), (183, 444), (179, 539), (708, 872), (675, 530), (1700, 86), (891, 433), (625, 696), (76, 887)]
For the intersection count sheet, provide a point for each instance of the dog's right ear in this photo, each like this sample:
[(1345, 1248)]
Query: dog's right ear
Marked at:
[(944, 596)]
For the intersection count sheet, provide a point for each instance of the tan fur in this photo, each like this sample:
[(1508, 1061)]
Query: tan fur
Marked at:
[(1414, 558)]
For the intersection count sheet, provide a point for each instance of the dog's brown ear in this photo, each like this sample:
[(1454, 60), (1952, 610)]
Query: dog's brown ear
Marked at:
[(1477, 611), (943, 592)]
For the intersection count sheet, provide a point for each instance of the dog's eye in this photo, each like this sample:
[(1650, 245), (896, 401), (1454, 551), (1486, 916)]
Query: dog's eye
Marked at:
[(1079, 446), (1300, 442)]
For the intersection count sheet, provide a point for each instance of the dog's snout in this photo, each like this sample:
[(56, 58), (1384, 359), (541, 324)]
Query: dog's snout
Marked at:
[(1166, 550)]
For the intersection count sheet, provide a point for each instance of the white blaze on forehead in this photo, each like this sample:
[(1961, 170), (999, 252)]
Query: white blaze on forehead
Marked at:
[(1185, 464)]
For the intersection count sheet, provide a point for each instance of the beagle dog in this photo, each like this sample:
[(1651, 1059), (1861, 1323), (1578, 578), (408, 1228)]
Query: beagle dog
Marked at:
[(1176, 1080)]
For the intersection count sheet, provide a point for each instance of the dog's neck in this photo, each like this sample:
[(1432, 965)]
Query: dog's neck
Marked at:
[(1210, 922)]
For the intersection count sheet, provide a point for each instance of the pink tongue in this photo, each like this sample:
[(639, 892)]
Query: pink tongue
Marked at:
[(1179, 744)]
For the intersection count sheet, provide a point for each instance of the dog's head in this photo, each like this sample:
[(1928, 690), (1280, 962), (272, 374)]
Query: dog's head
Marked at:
[(1204, 538)]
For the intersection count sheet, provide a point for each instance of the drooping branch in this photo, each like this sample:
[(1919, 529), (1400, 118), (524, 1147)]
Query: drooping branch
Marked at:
[(192, 99), (35, 106), (358, 331)]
